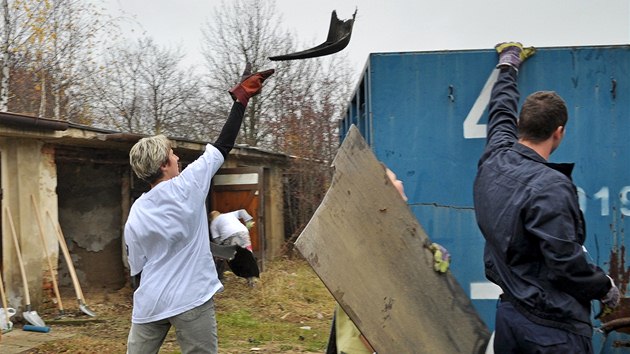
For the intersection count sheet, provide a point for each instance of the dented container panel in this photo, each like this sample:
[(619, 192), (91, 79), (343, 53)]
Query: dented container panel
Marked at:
[(424, 114)]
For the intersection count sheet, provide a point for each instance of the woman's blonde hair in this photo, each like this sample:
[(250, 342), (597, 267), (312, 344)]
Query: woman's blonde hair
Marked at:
[(148, 155)]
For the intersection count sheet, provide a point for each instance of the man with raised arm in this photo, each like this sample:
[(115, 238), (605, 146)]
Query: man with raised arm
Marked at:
[(527, 209)]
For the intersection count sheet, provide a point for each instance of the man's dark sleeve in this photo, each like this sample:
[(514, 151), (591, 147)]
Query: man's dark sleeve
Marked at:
[(503, 108), (552, 218), (227, 137)]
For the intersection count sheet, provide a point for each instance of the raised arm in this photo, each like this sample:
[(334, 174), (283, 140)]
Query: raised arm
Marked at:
[(249, 86), (503, 106)]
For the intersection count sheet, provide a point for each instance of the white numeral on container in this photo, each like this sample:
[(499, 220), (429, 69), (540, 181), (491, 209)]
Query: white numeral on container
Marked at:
[(604, 195), (472, 128)]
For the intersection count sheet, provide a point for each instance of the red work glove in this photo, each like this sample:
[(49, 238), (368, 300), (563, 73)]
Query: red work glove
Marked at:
[(250, 85)]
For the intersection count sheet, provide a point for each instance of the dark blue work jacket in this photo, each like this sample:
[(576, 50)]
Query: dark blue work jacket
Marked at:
[(528, 212)]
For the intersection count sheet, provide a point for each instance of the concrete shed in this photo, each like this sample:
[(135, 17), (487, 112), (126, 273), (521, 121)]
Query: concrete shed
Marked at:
[(78, 177)]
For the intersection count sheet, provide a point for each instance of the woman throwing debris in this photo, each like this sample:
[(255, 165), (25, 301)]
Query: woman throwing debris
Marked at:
[(167, 239)]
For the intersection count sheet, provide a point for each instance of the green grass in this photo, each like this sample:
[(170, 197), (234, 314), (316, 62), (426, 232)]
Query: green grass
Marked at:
[(270, 316), (288, 311)]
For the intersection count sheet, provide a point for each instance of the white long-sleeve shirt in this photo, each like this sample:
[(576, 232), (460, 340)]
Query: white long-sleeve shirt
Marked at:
[(227, 224), (167, 240)]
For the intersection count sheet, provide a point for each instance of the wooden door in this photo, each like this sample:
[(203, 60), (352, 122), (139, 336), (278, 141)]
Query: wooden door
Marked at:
[(241, 188)]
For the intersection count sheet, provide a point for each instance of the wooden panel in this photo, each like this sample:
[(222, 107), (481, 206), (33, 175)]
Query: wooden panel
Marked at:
[(369, 250)]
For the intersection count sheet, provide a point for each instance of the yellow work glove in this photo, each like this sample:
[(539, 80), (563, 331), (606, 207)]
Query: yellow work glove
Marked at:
[(441, 258), (249, 224), (513, 54)]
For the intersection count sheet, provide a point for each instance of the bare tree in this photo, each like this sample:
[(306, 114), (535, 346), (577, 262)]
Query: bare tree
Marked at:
[(243, 31), (76, 28), (141, 89), (115, 89), (308, 130), (299, 108), (19, 25), (43, 44), (169, 89), (6, 56)]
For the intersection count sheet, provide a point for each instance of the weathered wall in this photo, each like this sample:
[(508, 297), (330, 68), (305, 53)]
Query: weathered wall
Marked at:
[(90, 214), (27, 170)]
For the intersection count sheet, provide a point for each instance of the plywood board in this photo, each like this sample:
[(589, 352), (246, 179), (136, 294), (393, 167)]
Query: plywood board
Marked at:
[(369, 250)]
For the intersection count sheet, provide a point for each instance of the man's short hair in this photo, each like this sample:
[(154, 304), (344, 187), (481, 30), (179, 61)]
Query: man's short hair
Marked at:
[(148, 155), (542, 113)]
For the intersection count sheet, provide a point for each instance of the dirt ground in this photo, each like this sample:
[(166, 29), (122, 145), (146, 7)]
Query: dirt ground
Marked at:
[(288, 311)]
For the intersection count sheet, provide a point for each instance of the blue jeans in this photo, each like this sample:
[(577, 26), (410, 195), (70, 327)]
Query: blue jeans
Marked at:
[(196, 332), (515, 334)]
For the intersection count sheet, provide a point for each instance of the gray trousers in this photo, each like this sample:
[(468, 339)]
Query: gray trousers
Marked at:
[(196, 332), (240, 238)]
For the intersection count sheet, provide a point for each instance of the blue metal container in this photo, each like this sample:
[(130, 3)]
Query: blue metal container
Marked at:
[(424, 115)]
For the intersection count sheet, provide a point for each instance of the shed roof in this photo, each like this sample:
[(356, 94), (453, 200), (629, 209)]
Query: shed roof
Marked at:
[(60, 132)]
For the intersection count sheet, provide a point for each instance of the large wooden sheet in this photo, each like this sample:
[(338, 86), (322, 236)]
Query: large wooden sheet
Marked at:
[(368, 249)]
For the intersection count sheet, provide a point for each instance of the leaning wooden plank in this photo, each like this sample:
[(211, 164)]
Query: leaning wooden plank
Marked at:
[(369, 250)]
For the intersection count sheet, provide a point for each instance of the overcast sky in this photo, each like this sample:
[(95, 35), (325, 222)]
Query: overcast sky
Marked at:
[(405, 25)]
